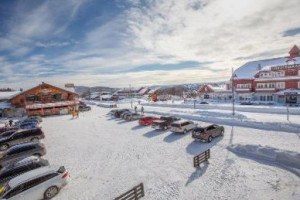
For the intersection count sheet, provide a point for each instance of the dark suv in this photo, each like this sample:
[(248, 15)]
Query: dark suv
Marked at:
[(21, 136), (21, 151), (119, 112), (164, 122), (20, 167)]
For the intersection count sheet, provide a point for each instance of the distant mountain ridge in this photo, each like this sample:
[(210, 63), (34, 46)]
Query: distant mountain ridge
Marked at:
[(187, 87)]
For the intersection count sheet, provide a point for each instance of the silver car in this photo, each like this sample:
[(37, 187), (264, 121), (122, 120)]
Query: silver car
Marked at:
[(133, 116), (183, 126), (41, 183), (21, 151)]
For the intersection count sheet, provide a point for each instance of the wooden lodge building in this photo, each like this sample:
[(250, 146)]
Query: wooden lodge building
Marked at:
[(45, 100)]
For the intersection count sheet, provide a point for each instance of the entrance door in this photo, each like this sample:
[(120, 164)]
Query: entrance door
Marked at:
[(292, 99)]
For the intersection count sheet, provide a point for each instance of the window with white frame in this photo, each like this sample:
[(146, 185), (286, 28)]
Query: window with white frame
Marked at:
[(266, 98), (243, 86), (266, 74), (280, 85), (279, 74), (265, 85)]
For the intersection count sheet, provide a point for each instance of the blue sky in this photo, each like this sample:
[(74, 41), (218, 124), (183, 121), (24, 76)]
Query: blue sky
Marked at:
[(140, 42)]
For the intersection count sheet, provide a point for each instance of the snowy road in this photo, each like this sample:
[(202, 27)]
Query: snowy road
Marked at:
[(106, 157)]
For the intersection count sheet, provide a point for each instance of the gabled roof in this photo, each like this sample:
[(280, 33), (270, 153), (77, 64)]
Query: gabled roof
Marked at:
[(64, 89), (294, 51)]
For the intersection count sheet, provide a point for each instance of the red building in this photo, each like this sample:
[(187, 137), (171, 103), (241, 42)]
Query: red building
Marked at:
[(271, 80), (46, 99)]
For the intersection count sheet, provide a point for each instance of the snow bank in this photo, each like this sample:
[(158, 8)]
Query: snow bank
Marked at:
[(227, 119), (242, 108), (283, 157)]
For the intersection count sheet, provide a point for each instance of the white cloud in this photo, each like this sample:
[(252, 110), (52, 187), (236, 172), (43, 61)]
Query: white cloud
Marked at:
[(157, 31)]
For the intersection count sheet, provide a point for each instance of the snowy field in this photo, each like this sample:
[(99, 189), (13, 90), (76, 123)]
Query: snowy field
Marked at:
[(106, 156)]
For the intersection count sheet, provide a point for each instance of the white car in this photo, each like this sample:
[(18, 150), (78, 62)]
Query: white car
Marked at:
[(41, 183), (183, 126)]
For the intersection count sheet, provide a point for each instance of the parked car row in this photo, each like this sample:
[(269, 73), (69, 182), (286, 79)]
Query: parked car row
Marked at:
[(24, 173), (176, 125), (83, 107), (125, 114)]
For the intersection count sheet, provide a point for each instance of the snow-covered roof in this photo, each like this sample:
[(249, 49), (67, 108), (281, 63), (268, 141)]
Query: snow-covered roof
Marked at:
[(248, 70), (218, 89), (142, 91), (4, 105), (288, 91), (8, 95)]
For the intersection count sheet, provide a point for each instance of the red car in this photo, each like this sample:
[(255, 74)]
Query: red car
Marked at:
[(144, 121)]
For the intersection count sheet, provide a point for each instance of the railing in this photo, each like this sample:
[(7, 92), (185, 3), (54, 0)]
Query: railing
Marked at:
[(202, 157), (134, 194)]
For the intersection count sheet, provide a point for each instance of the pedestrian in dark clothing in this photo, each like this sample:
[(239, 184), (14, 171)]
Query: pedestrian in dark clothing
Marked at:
[(10, 122), (142, 109)]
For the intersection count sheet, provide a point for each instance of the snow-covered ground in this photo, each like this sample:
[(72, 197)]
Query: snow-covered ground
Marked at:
[(107, 156)]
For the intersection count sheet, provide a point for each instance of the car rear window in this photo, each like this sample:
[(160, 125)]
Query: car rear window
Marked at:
[(199, 129), (175, 125)]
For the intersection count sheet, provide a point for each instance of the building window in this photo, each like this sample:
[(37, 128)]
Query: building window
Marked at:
[(32, 98), (280, 85), (269, 98), (279, 74), (266, 98), (243, 86), (299, 84), (265, 85), (57, 97)]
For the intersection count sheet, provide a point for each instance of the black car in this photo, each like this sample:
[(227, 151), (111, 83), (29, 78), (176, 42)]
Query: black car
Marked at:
[(7, 133), (20, 167), (164, 122), (21, 151), (119, 112), (21, 136), (83, 108)]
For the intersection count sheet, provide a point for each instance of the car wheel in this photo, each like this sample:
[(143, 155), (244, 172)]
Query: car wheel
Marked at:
[(209, 139), (185, 131), (51, 192), (35, 139), (4, 147)]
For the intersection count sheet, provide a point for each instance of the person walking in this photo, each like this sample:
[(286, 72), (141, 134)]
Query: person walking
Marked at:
[(142, 109), (135, 109), (10, 123)]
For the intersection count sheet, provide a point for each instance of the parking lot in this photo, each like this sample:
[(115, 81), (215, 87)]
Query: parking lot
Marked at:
[(107, 156)]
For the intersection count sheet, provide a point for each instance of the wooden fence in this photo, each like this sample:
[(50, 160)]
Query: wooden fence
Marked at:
[(202, 157), (134, 194)]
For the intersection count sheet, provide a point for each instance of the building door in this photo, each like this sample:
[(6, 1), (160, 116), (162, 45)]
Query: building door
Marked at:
[(292, 99)]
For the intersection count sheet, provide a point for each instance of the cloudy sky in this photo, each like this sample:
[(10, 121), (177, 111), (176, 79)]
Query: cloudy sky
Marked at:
[(142, 42)]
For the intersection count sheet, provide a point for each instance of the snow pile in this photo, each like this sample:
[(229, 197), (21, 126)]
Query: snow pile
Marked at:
[(283, 157)]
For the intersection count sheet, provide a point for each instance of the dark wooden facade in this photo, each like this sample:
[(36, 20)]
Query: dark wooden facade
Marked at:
[(46, 99)]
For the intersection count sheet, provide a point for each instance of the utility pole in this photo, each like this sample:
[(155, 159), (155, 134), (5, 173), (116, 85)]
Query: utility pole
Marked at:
[(130, 95), (232, 87)]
